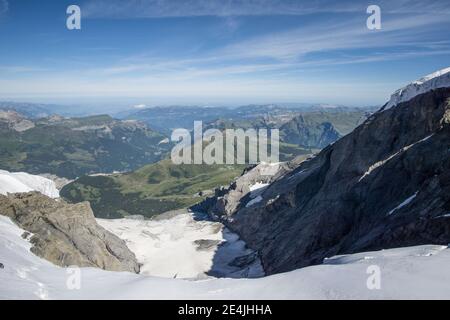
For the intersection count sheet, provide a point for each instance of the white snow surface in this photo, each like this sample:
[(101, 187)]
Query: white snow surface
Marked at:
[(12, 182), (436, 80), (406, 273), (172, 246)]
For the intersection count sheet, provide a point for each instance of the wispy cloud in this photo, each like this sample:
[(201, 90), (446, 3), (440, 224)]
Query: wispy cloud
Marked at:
[(291, 48), (222, 8), (266, 60), (331, 36), (297, 49)]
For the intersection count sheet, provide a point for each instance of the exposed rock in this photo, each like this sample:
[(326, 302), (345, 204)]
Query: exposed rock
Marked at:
[(385, 185), (226, 200), (206, 244), (26, 235), (239, 194), (15, 121), (67, 234), (244, 261)]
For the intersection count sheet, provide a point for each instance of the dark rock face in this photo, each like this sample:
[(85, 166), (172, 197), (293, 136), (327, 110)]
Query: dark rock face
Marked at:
[(67, 234), (385, 185)]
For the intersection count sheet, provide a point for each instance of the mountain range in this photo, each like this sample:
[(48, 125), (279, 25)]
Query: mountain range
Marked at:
[(156, 188), (384, 186), (72, 147)]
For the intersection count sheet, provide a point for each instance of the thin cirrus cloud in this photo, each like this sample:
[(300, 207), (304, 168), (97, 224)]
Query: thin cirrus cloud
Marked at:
[(220, 8), (409, 27), (290, 62), (284, 51), (235, 69), (292, 44)]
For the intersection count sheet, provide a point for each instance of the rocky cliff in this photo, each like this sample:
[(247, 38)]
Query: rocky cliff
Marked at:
[(67, 234), (385, 185)]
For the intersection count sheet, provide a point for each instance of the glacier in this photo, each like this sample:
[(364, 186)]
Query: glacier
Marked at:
[(179, 245)]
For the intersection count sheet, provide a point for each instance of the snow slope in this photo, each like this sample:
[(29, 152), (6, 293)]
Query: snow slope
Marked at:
[(177, 245), (406, 273), (12, 182), (436, 80)]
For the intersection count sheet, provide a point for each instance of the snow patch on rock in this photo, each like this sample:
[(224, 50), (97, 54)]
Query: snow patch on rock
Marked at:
[(384, 161), (404, 203), (257, 186), (254, 201)]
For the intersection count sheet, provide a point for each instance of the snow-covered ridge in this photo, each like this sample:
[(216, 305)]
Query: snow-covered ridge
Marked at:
[(436, 80), (12, 182)]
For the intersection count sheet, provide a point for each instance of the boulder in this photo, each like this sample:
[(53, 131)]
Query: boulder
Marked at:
[(67, 234)]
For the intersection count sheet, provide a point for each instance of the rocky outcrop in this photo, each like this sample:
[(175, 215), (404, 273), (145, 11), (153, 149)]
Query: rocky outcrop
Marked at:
[(385, 185), (15, 121), (244, 189), (67, 234)]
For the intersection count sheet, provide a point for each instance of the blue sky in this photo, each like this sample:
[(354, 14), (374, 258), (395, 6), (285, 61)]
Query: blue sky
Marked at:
[(218, 52)]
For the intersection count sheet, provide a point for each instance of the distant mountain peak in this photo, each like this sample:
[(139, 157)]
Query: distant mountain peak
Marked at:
[(435, 80), (140, 106)]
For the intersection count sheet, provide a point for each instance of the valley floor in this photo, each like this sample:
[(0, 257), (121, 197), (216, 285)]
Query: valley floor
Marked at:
[(405, 273)]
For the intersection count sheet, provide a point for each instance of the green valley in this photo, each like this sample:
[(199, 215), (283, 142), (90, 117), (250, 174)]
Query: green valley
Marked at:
[(150, 190), (72, 147)]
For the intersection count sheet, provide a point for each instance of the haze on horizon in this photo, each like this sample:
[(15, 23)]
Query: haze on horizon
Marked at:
[(211, 52)]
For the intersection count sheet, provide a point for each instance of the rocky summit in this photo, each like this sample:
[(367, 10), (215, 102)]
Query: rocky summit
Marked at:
[(385, 185), (67, 234)]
